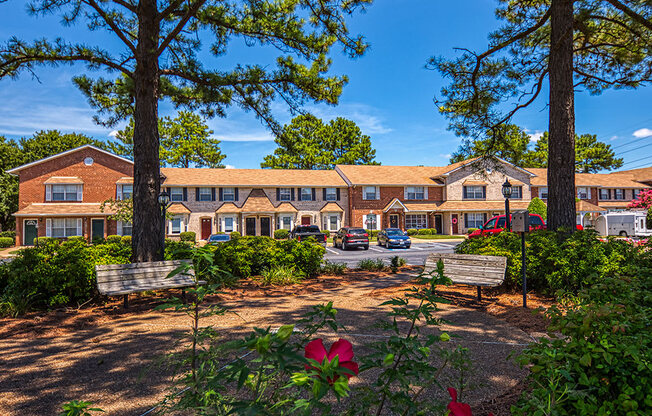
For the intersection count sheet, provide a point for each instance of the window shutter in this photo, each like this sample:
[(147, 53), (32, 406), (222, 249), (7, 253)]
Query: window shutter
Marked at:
[(48, 192), (119, 192), (292, 194), (278, 194), (464, 193), (378, 192), (221, 194), (79, 226), (196, 194), (324, 194), (314, 197), (299, 194), (466, 220), (236, 193), (337, 191), (425, 192), (364, 193), (80, 194), (185, 193), (119, 227), (212, 194), (48, 227), (484, 192), (484, 218), (405, 192)]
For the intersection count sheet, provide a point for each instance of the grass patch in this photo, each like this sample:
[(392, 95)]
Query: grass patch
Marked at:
[(333, 268), (372, 265), (279, 276), (438, 237)]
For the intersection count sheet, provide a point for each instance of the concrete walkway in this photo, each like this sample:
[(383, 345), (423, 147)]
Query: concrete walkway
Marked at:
[(106, 360)]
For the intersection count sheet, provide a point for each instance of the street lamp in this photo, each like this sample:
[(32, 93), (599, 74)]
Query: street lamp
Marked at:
[(163, 200), (507, 192)]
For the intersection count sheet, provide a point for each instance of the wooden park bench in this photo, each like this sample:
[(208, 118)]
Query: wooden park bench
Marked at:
[(123, 279), (470, 269)]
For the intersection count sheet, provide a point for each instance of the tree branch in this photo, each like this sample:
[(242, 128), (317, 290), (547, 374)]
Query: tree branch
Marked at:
[(192, 10), (631, 13), (126, 5), (111, 24), (538, 87), (616, 22), (169, 9)]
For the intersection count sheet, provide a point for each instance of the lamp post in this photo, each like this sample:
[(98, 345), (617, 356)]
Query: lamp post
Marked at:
[(163, 200), (507, 192)]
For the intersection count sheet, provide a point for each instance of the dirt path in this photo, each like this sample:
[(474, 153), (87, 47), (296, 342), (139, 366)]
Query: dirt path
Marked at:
[(104, 358)]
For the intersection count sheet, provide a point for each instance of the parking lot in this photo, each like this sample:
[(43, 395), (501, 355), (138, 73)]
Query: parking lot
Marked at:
[(415, 255)]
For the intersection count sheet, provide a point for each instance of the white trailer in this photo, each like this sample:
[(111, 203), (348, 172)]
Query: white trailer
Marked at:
[(624, 224)]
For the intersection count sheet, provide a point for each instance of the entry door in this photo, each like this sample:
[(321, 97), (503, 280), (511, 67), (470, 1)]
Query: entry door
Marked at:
[(455, 225), (30, 232), (438, 224), (205, 228), (305, 220), (393, 221), (97, 229), (250, 226), (265, 228)]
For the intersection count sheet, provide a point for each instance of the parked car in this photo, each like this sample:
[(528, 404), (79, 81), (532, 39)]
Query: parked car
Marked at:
[(393, 237), (349, 237), (218, 238), (497, 224), (624, 224), (302, 232)]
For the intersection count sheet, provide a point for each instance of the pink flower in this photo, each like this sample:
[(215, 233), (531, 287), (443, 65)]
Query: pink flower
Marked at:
[(342, 349), (456, 408)]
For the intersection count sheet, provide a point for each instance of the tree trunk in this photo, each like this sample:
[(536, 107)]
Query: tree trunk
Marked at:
[(147, 241), (561, 147)]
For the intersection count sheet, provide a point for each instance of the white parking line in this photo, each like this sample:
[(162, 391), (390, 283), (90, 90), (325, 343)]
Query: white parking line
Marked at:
[(417, 248), (376, 249), (330, 250)]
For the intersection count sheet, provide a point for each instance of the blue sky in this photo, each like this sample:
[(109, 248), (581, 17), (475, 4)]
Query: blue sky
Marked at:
[(389, 95)]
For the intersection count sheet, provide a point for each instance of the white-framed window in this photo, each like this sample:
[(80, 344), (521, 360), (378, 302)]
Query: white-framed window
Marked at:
[(474, 220), (124, 228), (543, 192), (306, 194), (370, 193), (229, 224), (415, 192), (63, 192), (63, 227), (177, 225), (228, 194), (285, 194), (331, 194), (285, 222), (176, 194), (517, 192), (619, 194), (474, 192), (332, 222), (584, 193), (371, 222), (604, 193), (125, 191), (205, 194), (416, 221)]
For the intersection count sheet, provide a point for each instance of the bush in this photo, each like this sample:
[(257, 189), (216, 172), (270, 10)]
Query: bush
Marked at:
[(558, 261), (280, 275), (113, 239), (372, 265), (600, 364), (11, 234), (326, 233), (372, 233), (189, 236), (235, 235), (424, 231), (281, 234), (537, 206), (126, 239), (470, 230), (6, 242), (332, 268), (412, 231), (248, 256), (397, 262)]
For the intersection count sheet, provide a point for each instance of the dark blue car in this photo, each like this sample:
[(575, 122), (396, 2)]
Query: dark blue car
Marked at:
[(393, 237), (218, 238)]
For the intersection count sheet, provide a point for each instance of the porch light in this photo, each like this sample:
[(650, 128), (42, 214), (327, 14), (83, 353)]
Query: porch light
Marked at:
[(507, 189), (507, 192), (164, 199)]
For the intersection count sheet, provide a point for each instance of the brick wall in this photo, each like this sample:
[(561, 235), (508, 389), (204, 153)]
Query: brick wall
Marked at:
[(362, 207)]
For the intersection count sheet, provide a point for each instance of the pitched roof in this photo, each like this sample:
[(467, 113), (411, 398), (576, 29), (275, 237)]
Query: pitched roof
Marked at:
[(614, 204), (391, 175), (69, 180), (67, 152), (257, 201), (286, 207), (605, 180), (228, 207), (498, 206), (55, 209), (393, 202), (640, 175), (252, 177), (586, 206), (178, 208), (331, 207)]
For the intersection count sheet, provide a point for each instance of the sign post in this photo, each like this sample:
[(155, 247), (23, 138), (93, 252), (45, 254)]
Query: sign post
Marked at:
[(521, 224)]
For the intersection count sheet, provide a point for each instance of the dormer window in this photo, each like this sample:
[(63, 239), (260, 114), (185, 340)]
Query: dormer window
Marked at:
[(125, 191), (63, 192)]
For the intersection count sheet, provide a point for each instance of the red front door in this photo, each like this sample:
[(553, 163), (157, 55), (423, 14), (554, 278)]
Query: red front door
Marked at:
[(455, 225), (205, 228), (305, 220)]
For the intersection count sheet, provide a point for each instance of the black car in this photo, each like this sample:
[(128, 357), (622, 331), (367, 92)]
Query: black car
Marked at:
[(349, 237), (393, 237), (218, 238), (303, 232)]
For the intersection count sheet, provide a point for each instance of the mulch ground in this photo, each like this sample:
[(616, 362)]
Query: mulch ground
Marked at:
[(67, 323)]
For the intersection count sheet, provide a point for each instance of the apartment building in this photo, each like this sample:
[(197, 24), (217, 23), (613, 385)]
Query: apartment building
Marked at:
[(61, 196)]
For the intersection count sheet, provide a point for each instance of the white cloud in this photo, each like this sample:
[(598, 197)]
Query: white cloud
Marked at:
[(114, 133), (365, 116), (534, 137), (24, 119), (247, 137), (612, 138), (229, 167), (642, 133)]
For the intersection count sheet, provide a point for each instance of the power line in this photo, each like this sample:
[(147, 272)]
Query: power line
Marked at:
[(632, 142), (637, 160), (644, 165), (636, 148), (618, 130)]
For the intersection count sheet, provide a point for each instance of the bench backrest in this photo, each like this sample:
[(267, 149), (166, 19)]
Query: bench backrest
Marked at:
[(469, 269), (118, 279)]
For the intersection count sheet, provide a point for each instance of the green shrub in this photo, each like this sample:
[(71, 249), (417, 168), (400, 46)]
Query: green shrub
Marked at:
[(558, 261), (126, 239), (6, 242), (332, 268), (372, 233), (248, 256), (372, 265), (80, 238), (113, 239), (10, 234), (412, 231), (281, 234), (235, 234), (280, 275), (537, 206), (600, 362), (326, 233), (470, 230), (433, 231), (397, 262), (189, 236), (424, 231), (43, 240)]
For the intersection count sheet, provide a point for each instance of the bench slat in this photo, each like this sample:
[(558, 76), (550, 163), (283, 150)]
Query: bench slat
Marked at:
[(142, 275), (153, 282), (469, 269), (142, 288), (169, 263)]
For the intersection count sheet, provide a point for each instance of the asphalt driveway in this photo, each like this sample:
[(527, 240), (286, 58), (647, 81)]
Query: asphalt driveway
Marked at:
[(415, 255)]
